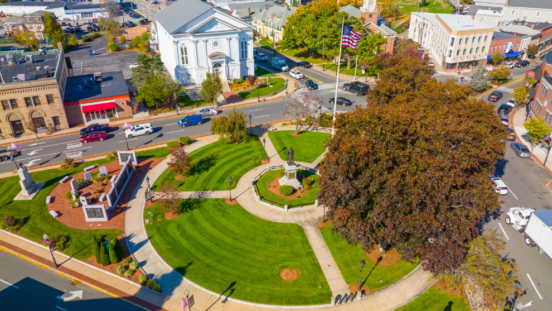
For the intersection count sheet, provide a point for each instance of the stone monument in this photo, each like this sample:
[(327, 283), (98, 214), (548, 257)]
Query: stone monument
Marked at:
[(28, 187), (290, 169)]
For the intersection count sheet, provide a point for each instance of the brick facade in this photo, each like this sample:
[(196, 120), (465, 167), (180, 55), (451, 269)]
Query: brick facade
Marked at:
[(76, 117), (541, 106)]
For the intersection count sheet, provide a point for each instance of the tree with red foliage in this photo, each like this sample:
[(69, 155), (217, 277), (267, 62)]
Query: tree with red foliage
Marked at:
[(179, 161), (302, 104), (169, 200)]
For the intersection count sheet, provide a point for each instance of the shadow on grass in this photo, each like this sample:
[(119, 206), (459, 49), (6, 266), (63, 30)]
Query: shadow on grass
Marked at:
[(203, 165), (190, 205), (374, 268)]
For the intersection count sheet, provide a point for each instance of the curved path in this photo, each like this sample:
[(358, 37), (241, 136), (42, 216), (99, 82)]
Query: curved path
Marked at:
[(174, 284)]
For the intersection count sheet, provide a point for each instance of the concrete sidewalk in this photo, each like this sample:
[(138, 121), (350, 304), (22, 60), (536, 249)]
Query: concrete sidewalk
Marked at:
[(537, 153)]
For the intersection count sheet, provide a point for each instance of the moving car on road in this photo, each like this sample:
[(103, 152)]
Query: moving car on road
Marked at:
[(521, 150), (495, 96), (523, 63), (356, 88), (279, 63), (518, 217), (143, 21), (499, 186), (341, 101), (510, 65), (504, 109), (95, 128), (138, 130), (304, 64), (190, 120), (94, 136), (6, 152), (206, 112), (260, 57), (311, 85), (296, 74), (539, 231)]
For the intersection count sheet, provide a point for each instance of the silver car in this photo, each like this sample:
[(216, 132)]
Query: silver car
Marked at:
[(521, 150), (205, 112)]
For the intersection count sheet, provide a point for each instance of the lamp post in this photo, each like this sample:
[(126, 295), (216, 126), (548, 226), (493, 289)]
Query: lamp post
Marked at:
[(264, 144), (187, 293), (125, 137), (176, 105), (249, 124), (258, 96), (45, 237), (362, 263), (323, 53), (229, 190)]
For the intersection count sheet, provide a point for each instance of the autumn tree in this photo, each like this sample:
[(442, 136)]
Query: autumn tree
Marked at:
[(497, 58), (520, 93), (33, 126), (479, 78), (169, 198), (500, 73), (301, 105), (179, 162), (232, 126), (27, 38), (532, 50), (110, 20), (211, 87), (159, 90), (412, 173), (51, 27), (536, 129)]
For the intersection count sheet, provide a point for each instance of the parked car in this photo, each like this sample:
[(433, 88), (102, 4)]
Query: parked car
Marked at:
[(95, 128), (206, 112), (521, 150), (190, 120), (63, 24), (499, 186), (133, 66), (495, 96), (431, 64), (341, 101), (304, 64), (144, 21), (523, 63), (94, 136), (311, 85), (511, 135), (504, 119), (511, 103), (138, 130), (504, 109), (260, 57), (510, 65), (296, 74)]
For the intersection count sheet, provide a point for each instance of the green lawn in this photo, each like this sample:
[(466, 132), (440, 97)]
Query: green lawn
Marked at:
[(188, 102), (226, 249), (261, 72), (308, 147), (38, 221), (214, 163), (266, 43), (348, 258), (278, 84), (161, 152), (435, 300), (432, 6), (267, 194)]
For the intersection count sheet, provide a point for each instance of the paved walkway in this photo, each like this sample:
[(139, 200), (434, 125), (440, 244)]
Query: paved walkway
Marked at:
[(538, 153)]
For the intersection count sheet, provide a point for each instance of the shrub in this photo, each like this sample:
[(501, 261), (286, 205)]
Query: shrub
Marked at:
[(307, 183), (69, 161), (63, 167), (97, 177), (81, 183), (156, 287), (173, 144), (86, 38), (76, 203), (238, 80), (151, 283), (185, 140), (142, 279), (68, 195), (112, 46), (96, 248), (129, 273), (286, 190), (97, 191), (92, 200), (95, 35), (127, 261), (122, 39), (121, 269), (119, 249), (137, 167), (10, 221), (61, 243), (104, 256), (111, 157), (133, 265)]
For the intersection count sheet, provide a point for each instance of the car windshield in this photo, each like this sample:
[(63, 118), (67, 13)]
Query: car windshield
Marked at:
[(524, 149)]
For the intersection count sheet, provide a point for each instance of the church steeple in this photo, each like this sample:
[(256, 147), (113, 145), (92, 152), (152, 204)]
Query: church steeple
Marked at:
[(370, 11)]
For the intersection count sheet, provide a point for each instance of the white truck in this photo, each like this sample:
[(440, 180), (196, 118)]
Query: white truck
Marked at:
[(539, 231), (518, 217), (279, 63)]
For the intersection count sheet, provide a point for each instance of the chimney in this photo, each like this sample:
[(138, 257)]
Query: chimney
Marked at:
[(266, 6), (249, 11), (532, 26), (288, 7)]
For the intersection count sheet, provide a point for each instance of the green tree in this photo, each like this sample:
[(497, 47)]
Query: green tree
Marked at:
[(159, 90), (211, 87), (179, 162), (479, 78), (146, 68), (118, 249), (294, 3), (501, 73), (104, 256), (113, 256), (72, 41), (50, 25), (96, 248), (497, 58), (415, 161), (58, 36), (27, 38), (368, 47), (112, 45), (536, 128), (232, 126), (532, 50), (520, 93), (122, 39)]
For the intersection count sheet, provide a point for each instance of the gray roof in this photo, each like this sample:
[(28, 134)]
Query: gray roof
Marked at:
[(181, 13), (351, 10), (49, 5), (535, 4), (545, 217), (280, 12), (259, 5), (497, 35), (428, 16), (520, 29), (472, 11), (28, 71), (247, 13), (113, 84), (81, 6)]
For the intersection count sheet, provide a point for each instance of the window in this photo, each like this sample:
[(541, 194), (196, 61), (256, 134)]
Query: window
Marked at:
[(473, 40), (479, 40), (476, 50), (243, 49), (545, 92), (84, 15), (50, 99), (485, 39), (36, 101), (495, 19), (460, 42), (452, 42), (184, 52), (482, 18), (56, 121), (28, 101), (5, 105), (457, 52), (450, 53), (471, 50), (13, 103), (513, 12), (538, 13), (464, 52), (483, 50)]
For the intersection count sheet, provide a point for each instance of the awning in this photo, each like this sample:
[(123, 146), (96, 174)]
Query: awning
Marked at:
[(98, 107), (506, 55)]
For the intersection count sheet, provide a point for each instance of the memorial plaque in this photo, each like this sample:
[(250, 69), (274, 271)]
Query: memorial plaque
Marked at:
[(95, 212), (124, 156), (291, 175), (73, 183), (103, 170), (88, 176)]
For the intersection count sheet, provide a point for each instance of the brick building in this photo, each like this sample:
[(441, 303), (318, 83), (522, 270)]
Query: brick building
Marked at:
[(32, 90), (507, 44), (540, 105)]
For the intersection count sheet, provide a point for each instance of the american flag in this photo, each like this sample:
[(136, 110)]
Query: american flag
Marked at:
[(350, 37)]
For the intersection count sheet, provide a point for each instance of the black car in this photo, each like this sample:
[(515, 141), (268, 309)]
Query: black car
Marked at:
[(504, 109), (356, 88), (342, 101), (304, 64), (523, 63), (63, 24), (311, 85), (144, 21), (495, 96), (78, 29)]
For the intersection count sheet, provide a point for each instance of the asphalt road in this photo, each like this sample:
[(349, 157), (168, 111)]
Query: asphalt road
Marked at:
[(25, 286)]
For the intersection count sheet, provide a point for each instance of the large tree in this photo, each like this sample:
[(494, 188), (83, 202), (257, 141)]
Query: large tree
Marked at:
[(27, 38), (159, 90), (50, 25), (179, 162), (479, 78), (146, 68), (536, 129), (301, 105), (211, 87), (500, 73), (413, 173), (232, 126)]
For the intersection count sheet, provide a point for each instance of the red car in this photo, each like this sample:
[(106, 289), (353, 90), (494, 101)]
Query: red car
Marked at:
[(94, 136)]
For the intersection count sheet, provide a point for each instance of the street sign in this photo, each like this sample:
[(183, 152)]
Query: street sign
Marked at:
[(191, 301)]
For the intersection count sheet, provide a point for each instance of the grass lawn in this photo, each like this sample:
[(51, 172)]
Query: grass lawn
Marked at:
[(278, 84), (307, 147), (36, 218), (188, 102), (213, 164), (226, 249), (432, 6), (315, 58), (161, 152), (267, 194), (435, 300), (348, 258), (266, 43), (261, 72)]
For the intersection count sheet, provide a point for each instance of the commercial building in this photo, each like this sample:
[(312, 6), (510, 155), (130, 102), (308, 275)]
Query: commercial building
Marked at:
[(100, 97), (506, 44), (271, 22), (31, 92), (68, 11), (543, 92), (421, 28), (9, 25)]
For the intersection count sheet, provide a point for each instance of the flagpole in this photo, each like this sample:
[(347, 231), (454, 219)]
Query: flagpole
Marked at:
[(356, 65), (337, 78)]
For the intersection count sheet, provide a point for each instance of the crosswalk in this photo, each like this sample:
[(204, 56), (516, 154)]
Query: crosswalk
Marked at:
[(505, 90), (323, 86)]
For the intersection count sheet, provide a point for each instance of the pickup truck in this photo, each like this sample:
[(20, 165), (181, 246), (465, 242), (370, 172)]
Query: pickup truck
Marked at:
[(94, 127), (5, 153)]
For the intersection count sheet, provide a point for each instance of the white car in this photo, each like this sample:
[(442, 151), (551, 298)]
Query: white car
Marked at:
[(499, 186), (510, 65), (140, 129), (431, 64), (511, 103), (296, 74), (133, 66), (518, 217)]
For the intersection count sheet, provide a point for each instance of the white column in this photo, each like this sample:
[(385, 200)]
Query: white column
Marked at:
[(228, 47), (196, 52), (175, 42), (206, 61), (238, 52)]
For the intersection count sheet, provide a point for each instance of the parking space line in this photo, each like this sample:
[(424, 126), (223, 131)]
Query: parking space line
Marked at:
[(504, 232), (534, 286), (312, 78), (513, 193)]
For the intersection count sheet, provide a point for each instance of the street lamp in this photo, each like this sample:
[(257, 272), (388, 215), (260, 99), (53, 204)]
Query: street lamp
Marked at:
[(264, 144), (323, 53), (362, 263), (187, 293), (45, 237), (229, 190), (147, 181), (125, 137)]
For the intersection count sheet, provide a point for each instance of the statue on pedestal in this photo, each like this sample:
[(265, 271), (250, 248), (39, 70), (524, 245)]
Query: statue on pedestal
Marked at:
[(291, 154), (28, 186)]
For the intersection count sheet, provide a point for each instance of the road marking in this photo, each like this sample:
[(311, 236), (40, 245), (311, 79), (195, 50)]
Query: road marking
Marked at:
[(10, 284), (36, 144), (261, 116), (175, 131), (504, 232), (61, 308), (74, 145), (256, 109), (122, 141), (74, 294), (513, 193), (312, 78), (74, 155), (34, 151), (534, 286), (32, 163)]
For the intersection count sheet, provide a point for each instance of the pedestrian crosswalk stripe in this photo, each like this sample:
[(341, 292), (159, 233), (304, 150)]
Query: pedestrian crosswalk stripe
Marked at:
[(505, 89)]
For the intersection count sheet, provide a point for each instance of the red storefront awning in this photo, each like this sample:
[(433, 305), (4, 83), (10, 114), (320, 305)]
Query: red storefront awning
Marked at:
[(98, 107)]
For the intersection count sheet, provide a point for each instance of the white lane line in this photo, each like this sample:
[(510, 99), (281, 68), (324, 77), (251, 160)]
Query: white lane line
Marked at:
[(504, 232), (513, 193), (74, 145), (256, 109), (261, 116), (10, 284), (122, 141), (534, 286), (61, 307), (36, 144), (175, 131), (74, 155)]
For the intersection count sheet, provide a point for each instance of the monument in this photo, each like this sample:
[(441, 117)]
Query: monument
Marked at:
[(28, 187), (290, 169), (93, 213)]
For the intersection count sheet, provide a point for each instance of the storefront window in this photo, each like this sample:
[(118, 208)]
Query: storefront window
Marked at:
[(100, 115)]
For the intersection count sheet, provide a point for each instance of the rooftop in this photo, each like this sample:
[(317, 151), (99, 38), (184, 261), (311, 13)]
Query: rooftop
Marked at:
[(535, 26), (18, 66), (462, 22), (520, 29), (474, 9), (497, 35), (80, 88), (429, 16), (180, 14), (232, 6), (281, 13), (535, 4)]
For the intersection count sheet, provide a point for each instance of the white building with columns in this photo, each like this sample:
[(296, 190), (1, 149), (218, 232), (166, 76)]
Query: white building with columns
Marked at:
[(195, 38)]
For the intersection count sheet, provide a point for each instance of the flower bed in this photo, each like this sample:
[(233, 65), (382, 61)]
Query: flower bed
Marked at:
[(245, 85)]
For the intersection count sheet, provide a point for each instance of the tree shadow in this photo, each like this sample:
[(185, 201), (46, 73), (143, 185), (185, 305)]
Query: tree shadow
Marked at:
[(229, 288), (500, 167), (190, 205), (203, 165), (449, 306)]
